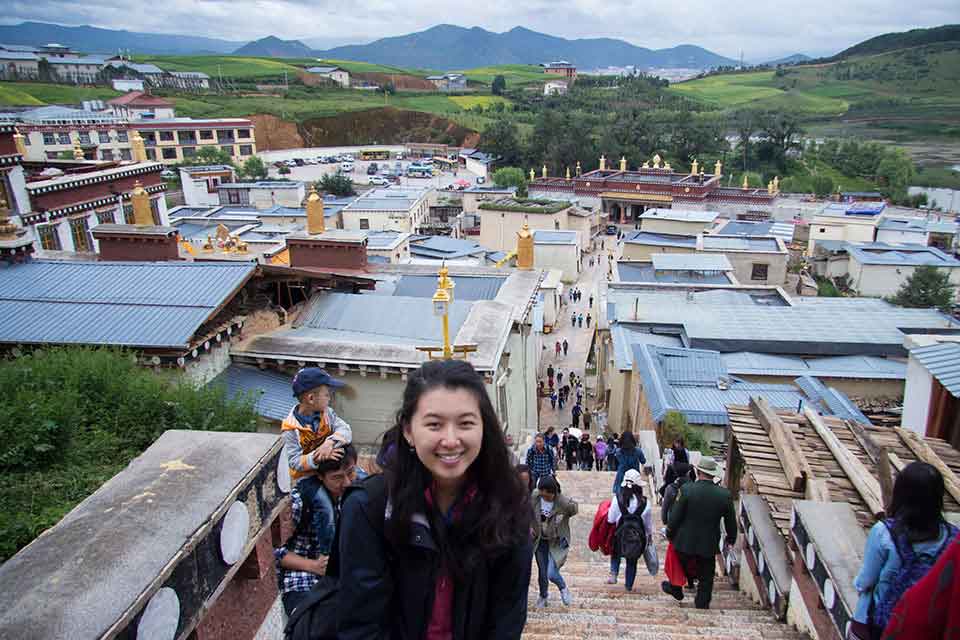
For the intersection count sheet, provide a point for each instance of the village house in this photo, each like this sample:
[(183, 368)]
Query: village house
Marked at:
[(879, 268), (335, 75), (558, 250), (689, 268), (555, 88), (51, 132), (199, 184), (449, 82), (137, 105), (262, 194), (389, 209), (502, 218), (174, 140), (19, 65), (561, 69), (684, 222)]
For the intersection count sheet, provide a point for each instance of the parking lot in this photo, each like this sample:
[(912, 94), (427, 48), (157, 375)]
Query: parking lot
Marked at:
[(313, 172)]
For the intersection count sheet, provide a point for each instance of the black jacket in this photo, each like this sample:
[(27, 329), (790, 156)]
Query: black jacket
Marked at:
[(670, 496), (586, 451), (694, 524), (387, 592)]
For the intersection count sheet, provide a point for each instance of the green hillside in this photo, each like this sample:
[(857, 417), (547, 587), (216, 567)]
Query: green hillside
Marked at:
[(515, 74), (236, 67), (38, 93), (912, 87)]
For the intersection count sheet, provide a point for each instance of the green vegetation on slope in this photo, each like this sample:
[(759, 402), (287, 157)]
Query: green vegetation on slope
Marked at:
[(71, 418), (237, 67), (38, 93), (516, 75)]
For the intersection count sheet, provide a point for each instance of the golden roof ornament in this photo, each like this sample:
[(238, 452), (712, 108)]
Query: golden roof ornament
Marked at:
[(568, 173), (770, 187), (315, 221), (667, 167), (8, 230), (718, 169), (78, 152), (623, 163), (746, 183), (646, 164), (142, 214), (603, 162), (694, 167), (524, 247), (579, 170), (776, 184), (543, 171), (20, 140), (533, 175), (656, 161)]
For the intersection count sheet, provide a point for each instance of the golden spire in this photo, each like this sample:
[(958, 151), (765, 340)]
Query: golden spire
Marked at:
[(315, 222), (579, 170), (776, 184), (8, 230), (568, 173), (543, 171), (770, 187), (137, 148), (142, 215), (533, 175), (603, 162), (746, 183), (646, 164), (78, 152), (667, 167), (695, 167), (524, 248), (718, 169), (623, 163), (19, 140), (656, 161)]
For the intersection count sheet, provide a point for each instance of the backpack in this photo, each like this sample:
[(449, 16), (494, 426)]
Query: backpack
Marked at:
[(312, 619), (631, 535), (913, 566)]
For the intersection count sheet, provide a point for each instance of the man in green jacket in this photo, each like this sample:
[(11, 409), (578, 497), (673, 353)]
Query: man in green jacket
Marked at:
[(694, 529)]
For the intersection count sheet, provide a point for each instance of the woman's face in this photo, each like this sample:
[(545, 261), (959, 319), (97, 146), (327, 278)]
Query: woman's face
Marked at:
[(446, 431), (525, 478), (546, 495)]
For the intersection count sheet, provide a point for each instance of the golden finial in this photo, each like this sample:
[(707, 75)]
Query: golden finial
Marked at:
[(533, 175), (776, 184), (78, 152), (20, 140), (623, 163), (603, 162), (770, 187), (543, 171), (694, 167), (718, 169), (137, 147), (667, 167), (646, 164), (579, 170), (142, 213), (524, 247), (315, 221), (656, 161), (746, 183), (568, 173)]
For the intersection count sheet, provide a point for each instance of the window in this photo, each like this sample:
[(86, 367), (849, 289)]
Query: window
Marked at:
[(225, 135), (166, 136), (80, 233), (233, 196), (759, 271), (823, 230), (148, 138), (170, 153), (187, 137), (49, 138), (125, 154), (122, 136), (206, 134), (155, 211), (243, 133), (246, 150), (106, 217), (227, 149), (364, 223), (128, 214), (189, 152), (49, 239), (84, 137), (63, 138)]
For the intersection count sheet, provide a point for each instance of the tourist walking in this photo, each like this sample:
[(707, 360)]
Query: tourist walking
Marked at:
[(694, 530), (558, 348), (551, 539), (458, 526), (550, 373), (586, 419), (612, 450), (580, 320), (588, 321), (552, 440), (590, 302), (540, 458), (570, 447), (586, 453), (600, 451), (553, 400), (566, 345), (573, 320), (559, 377), (575, 413), (630, 513), (628, 457), (903, 547)]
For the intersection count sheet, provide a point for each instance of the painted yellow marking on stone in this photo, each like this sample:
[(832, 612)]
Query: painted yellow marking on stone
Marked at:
[(176, 465)]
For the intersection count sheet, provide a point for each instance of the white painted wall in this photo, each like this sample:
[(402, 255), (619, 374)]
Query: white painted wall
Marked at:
[(565, 257), (916, 399), (899, 236), (884, 280)]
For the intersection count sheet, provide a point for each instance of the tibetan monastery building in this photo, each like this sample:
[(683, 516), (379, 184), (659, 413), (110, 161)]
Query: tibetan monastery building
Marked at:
[(624, 195)]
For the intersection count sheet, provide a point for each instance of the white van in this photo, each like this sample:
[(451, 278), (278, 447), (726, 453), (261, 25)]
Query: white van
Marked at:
[(346, 167)]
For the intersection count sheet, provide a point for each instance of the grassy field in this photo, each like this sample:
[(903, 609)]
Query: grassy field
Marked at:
[(237, 67), (515, 74), (38, 93), (759, 90), (468, 102)]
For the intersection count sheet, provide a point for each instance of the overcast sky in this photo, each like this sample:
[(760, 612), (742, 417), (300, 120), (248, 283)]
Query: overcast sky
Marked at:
[(760, 29)]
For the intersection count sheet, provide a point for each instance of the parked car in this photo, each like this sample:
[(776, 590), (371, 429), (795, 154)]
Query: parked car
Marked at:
[(372, 169), (377, 180), (298, 161), (346, 167), (168, 174), (611, 230)]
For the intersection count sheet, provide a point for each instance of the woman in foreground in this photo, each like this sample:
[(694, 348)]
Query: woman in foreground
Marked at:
[(438, 546)]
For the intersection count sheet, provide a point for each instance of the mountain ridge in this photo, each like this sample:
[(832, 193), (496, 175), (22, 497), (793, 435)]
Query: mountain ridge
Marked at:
[(274, 47), (91, 39)]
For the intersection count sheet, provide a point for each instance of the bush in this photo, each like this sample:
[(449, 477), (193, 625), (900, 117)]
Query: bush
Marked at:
[(71, 418), (674, 425), (337, 184)]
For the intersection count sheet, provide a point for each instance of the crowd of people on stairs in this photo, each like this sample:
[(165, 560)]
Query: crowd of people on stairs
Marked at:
[(440, 542)]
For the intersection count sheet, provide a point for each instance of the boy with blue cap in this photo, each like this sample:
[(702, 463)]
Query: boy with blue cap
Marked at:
[(313, 433)]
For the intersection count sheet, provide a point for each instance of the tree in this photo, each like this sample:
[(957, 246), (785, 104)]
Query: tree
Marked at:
[(498, 86), (926, 287), (284, 170), (895, 171), (501, 138), (254, 169), (822, 185), (674, 425), (511, 177), (782, 128), (337, 184), (209, 155)]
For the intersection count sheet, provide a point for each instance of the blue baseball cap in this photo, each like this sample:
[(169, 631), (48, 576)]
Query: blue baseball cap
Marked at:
[(311, 378)]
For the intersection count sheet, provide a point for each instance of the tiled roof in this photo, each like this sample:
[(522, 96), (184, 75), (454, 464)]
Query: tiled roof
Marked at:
[(555, 237), (465, 287), (271, 391), (660, 239), (943, 362), (141, 304), (679, 215), (690, 262)]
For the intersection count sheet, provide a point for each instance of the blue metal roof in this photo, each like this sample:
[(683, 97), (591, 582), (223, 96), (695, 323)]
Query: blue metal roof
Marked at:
[(766, 364), (555, 237), (272, 392), (443, 247), (831, 401), (660, 239), (624, 337), (136, 304), (679, 215), (465, 287), (881, 253), (783, 230), (690, 262), (943, 362), (739, 243), (646, 273)]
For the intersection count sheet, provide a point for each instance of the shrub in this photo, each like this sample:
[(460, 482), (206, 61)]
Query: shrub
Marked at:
[(674, 425), (71, 418)]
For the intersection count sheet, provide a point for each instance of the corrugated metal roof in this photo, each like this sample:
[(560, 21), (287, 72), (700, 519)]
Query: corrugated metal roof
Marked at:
[(739, 243), (783, 230), (900, 254), (465, 287), (691, 366), (555, 237), (381, 318), (679, 215), (865, 367), (646, 273), (660, 239), (830, 401), (943, 362), (272, 391), (624, 337), (444, 247), (139, 304), (690, 262)]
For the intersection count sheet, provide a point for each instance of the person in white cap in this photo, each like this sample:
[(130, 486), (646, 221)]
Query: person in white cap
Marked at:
[(694, 529), (631, 514)]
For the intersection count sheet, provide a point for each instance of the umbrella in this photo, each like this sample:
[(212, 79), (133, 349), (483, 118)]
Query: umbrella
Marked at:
[(575, 432), (462, 183)]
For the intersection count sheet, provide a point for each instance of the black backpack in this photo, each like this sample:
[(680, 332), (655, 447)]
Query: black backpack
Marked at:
[(631, 535), (314, 618)]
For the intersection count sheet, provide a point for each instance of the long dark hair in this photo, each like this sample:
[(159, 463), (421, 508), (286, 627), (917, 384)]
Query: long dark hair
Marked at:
[(496, 518), (626, 493), (628, 442), (917, 503)]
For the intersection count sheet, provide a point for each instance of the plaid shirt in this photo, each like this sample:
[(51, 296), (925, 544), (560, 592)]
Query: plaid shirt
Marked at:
[(541, 463), (305, 542)]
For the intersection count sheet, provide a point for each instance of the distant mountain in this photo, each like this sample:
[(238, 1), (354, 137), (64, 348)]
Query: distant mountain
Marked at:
[(274, 47), (794, 59), (96, 40), (902, 40), (451, 47)]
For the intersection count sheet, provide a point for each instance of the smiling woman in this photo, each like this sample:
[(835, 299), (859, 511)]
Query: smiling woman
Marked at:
[(453, 559)]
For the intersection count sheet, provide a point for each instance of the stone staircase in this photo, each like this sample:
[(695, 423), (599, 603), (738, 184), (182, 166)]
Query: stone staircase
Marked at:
[(600, 610)]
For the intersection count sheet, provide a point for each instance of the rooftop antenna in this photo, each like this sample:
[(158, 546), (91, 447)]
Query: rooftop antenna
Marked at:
[(741, 58)]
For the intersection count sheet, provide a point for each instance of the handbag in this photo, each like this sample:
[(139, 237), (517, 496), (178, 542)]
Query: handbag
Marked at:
[(650, 558)]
